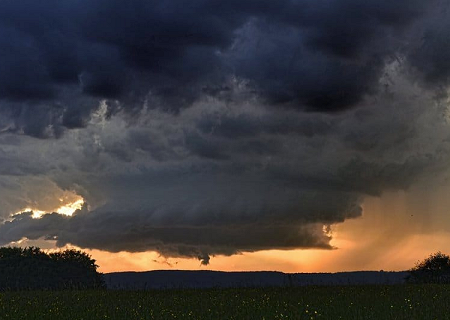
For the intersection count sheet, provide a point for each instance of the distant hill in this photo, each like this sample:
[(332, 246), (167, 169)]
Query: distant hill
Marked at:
[(168, 279)]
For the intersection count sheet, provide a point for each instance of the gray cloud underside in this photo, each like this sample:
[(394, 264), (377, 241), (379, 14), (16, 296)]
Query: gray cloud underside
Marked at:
[(188, 128)]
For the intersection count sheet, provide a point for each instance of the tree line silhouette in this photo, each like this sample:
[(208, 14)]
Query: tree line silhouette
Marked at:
[(434, 269), (33, 269)]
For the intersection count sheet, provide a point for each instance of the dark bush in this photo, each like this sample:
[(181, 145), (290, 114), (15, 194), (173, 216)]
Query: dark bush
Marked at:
[(434, 269), (32, 269)]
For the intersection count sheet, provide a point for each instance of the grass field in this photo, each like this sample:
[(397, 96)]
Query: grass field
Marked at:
[(362, 302)]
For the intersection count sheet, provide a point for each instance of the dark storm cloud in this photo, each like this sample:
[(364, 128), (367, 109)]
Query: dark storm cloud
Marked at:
[(430, 56), (189, 134), (150, 189), (281, 220), (63, 56), (246, 125)]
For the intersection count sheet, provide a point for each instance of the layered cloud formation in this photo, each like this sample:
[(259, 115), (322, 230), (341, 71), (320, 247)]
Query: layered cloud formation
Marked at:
[(215, 127)]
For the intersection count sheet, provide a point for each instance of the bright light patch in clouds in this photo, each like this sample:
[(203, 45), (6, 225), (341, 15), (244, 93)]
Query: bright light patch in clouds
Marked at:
[(69, 208), (66, 209), (36, 213)]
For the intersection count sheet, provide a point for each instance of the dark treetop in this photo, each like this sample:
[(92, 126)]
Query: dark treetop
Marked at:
[(31, 268)]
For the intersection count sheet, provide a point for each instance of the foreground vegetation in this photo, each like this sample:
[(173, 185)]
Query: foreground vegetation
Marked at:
[(29, 278), (32, 268), (362, 302), (434, 269)]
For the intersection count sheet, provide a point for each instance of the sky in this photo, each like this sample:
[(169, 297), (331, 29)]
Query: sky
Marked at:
[(289, 135)]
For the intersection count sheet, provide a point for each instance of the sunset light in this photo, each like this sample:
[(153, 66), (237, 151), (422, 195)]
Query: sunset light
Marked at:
[(69, 208), (36, 213), (66, 209)]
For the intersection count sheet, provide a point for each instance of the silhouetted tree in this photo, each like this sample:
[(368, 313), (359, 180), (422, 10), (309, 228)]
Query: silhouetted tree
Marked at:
[(31, 268), (434, 269)]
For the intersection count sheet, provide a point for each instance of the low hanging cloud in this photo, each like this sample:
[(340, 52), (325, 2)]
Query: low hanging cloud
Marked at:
[(215, 127)]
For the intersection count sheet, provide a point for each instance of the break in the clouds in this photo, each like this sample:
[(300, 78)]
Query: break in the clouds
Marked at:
[(215, 127)]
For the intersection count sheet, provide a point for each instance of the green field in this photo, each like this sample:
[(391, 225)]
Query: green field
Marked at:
[(347, 302)]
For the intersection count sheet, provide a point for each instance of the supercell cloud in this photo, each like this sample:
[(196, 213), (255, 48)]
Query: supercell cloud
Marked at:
[(197, 128)]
